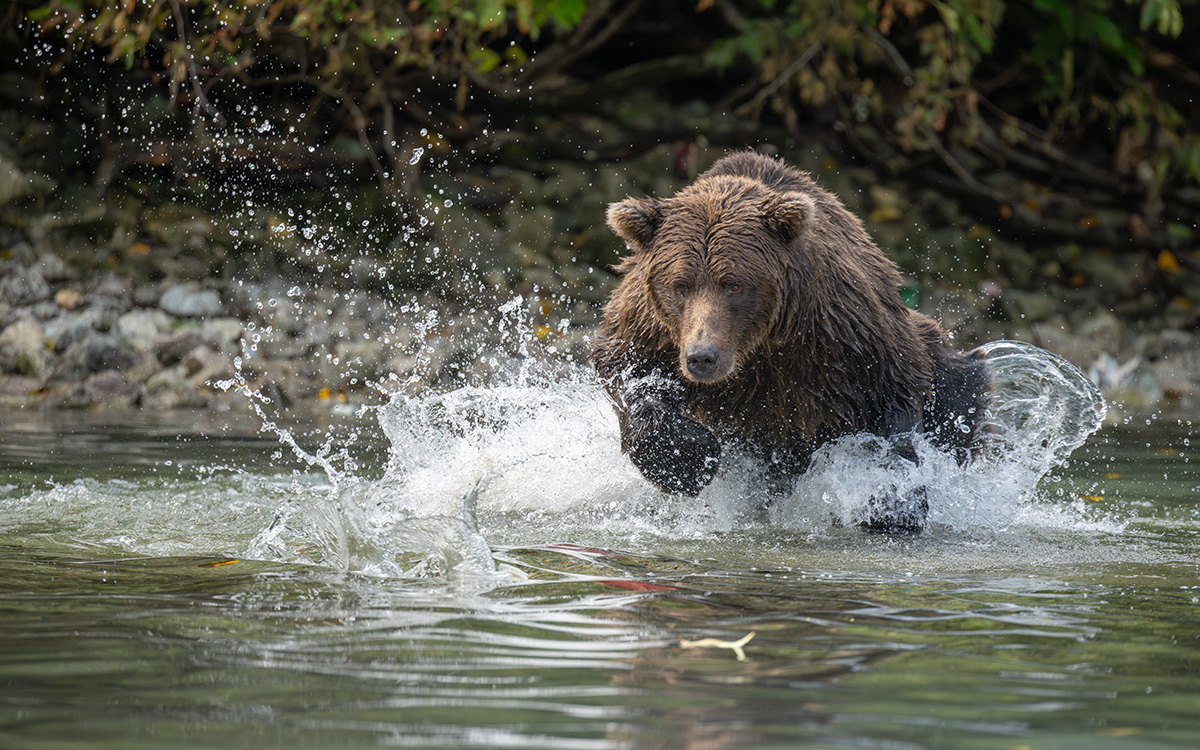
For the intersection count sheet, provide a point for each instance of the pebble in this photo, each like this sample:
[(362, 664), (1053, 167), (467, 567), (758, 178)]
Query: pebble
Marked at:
[(141, 329), (23, 349), (188, 302), (23, 285), (105, 390), (169, 389)]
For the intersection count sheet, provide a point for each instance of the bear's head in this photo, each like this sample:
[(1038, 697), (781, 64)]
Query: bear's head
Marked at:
[(713, 266)]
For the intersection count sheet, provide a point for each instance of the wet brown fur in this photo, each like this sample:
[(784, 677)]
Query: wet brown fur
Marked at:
[(821, 344)]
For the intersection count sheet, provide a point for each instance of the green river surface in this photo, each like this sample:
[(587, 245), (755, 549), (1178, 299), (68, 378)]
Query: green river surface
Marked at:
[(190, 581)]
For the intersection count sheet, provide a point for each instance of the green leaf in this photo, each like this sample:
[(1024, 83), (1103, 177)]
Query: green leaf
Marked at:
[(567, 14), (484, 60)]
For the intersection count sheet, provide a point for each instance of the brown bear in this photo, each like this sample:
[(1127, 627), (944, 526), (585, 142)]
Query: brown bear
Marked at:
[(755, 314)]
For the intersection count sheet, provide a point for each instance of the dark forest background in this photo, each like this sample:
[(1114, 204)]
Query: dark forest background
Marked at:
[(1047, 119)]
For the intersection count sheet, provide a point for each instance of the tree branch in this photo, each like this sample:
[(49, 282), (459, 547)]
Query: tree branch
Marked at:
[(201, 101)]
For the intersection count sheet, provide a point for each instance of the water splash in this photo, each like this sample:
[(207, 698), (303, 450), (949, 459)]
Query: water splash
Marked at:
[(1042, 409), (550, 452)]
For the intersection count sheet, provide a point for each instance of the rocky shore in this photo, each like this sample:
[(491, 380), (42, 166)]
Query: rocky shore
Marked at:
[(162, 314)]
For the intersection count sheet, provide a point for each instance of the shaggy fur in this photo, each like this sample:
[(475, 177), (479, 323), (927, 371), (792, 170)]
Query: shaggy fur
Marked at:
[(755, 312)]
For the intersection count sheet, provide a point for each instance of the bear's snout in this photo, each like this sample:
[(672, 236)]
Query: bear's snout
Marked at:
[(702, 361), (707, 349)]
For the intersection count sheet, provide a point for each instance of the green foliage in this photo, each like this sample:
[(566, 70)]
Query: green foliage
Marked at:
[(336, 36), (917, 70), (925, 75), (867, 51), (1070, 29)]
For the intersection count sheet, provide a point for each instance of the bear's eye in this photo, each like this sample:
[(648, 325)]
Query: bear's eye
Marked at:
[(680, 288), (732, 287)]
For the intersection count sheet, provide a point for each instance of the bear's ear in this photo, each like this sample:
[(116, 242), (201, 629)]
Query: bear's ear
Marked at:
[(635, 220), (789, 213)]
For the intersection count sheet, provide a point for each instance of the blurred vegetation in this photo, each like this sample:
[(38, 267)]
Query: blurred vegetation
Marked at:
[(1065, 120)]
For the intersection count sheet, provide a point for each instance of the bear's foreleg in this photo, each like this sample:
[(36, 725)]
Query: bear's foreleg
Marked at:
[(894, 511), (957, 408), (952, 421), (676, 454)]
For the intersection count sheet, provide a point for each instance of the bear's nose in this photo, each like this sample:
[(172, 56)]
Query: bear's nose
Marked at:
[(702, 361)]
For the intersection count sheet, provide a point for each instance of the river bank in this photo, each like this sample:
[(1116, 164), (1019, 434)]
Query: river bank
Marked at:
[(183, 307)]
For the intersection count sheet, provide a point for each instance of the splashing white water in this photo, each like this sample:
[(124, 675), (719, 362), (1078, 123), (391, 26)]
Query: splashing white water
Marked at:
[(541, 462)]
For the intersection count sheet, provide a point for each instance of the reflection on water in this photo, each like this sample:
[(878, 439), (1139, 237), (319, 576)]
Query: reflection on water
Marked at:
[(489, 572)]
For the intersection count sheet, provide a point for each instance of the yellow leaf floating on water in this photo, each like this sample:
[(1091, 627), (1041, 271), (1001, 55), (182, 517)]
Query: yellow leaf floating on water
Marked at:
[(324, 394), (1113, 475), (219, 563), (735, 646), (1119, 731), (1094, 498)]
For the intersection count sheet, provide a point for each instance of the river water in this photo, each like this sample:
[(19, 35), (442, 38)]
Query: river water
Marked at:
[(482, 568)]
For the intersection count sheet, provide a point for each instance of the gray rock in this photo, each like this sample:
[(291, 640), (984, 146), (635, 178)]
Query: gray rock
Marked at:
[(23, 285), (106, 390), (169, 389), (204, 365), (146, 295), (16, 391), (189, 302), (23, 349), (1103, 331), (359, 361), (1099, 333), (173, 348), (54, 269), (287, 318), (285, 347), (114, 286), (44, 310), (95, 352), (142, 329), (280, 382), (223, 333), (102, 353), (65, 330)]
